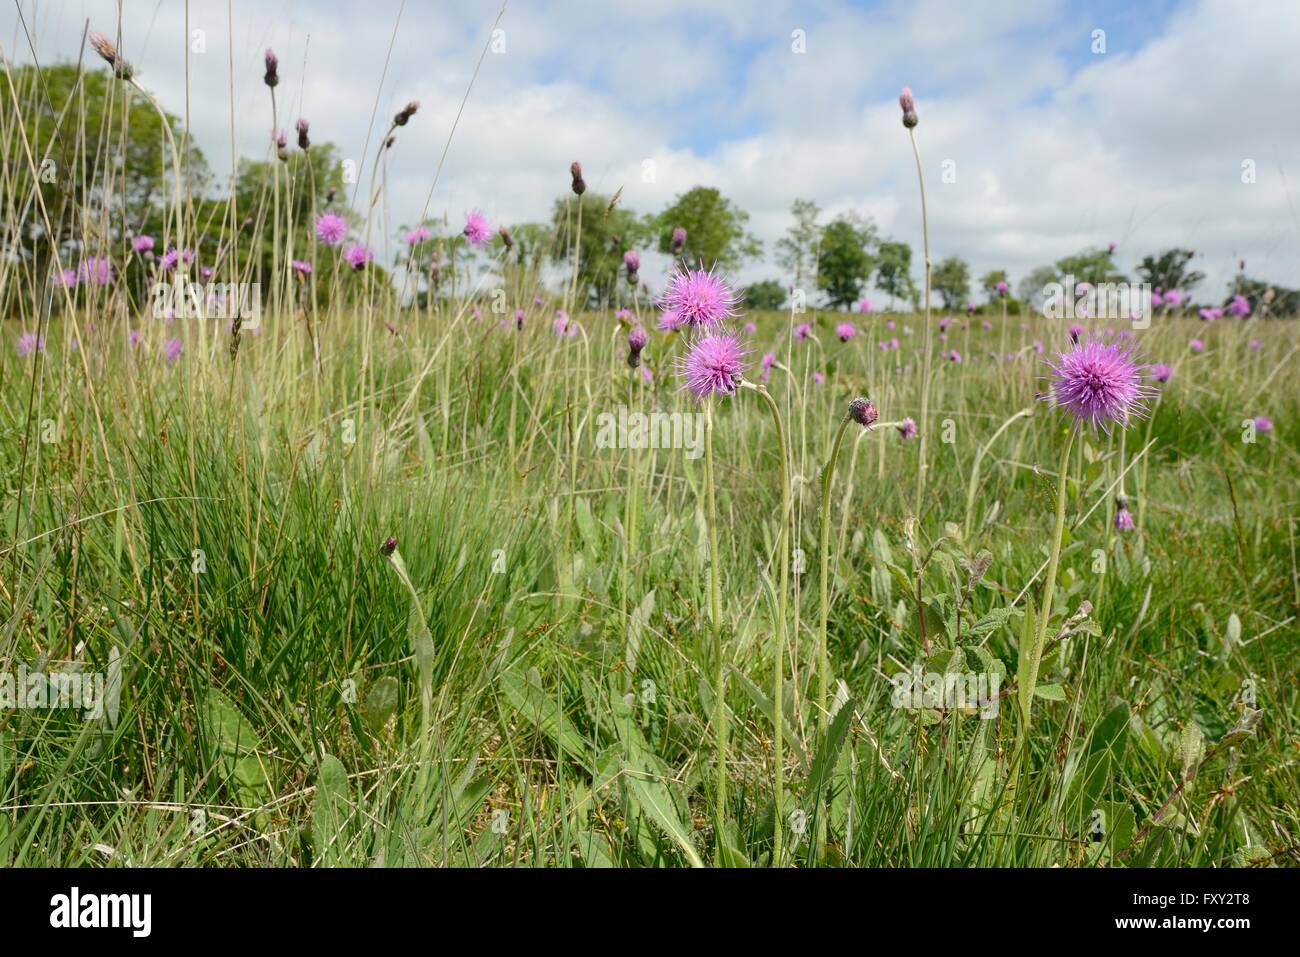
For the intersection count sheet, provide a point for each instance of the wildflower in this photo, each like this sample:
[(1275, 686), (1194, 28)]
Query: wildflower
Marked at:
[(954, 357), (477, 230), (519, 319), (633, 263), (1254, 345), (769, 360), (625, 317), (302, 126), (818, 378), (330, 229), (389, 546), (562, 326), (846, 331), (679, 240), (1210, 314), (986, 326), (405, 113), (68, 278), (28, 343), (417, 236), (142, 243), (696, 298), (1173, 298), (944, 324), (1161, 372), (636, 341), (751, 328), (172, 350), (802, 331), (647, 375), (1263, 423), (715, 364), (1076, 332), (1099, 384), (1123, 517), (1197, 345), (303, 268), (1240, 307), (907, 428), (908, 103), (106, 49), (357, 256), (1002, 288), (579, 184), (864, 305), (1156, 300), (272, 77), (506, 238), (863, 412), (133, 338)]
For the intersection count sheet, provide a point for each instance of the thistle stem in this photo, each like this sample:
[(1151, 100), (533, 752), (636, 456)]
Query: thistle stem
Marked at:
[(925, 360), (715, 620)]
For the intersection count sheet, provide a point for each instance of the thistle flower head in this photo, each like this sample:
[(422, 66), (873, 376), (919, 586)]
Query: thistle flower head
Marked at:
[(908, 103), (846, 331), (28, 343), (96, 271), (302, 126), (417, 236), (637, 338), (907, 428), (769, 360), (803, 331), (1161, 372), (1173, 297), (330, 229), (714, 364), (1197, 345), (1099, 385), (679, 239), (1240, 306), (302, 267), (863, 412), (579, 184), (1002, 288), (357, 256), (1123, 519), (272, 77), (389, 546), (1263, 423), (696, 298), (172, 350), (632, 260), (142, 243), (477, 230), (864, 305), (405, 113), (108, 50)]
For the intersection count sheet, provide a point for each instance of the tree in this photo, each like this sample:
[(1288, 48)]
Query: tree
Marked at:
[(715, 229), (113, 187), (796, 252), (951, 280), (894, 271), (989, 283), (767, 295), (844, 260), (1093, 266), (607, 232), (1169, 270)]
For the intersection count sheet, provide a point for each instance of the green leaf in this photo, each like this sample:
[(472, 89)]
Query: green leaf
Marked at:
[(381, 703), (1049, 691), (829, 752), (330, 811), (652, 797), (234, 751)]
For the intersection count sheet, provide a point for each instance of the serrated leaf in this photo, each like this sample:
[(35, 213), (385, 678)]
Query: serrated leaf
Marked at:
[(652, 798)]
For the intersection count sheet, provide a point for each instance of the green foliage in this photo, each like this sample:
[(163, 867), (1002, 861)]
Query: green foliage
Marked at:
[(1169, 270), (844, 260), (894, 271), (765, 295), (715, 229), (796, 252), (951, 280), (606, 234)]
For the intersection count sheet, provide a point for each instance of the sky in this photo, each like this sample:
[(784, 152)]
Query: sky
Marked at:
[(1045, 127)]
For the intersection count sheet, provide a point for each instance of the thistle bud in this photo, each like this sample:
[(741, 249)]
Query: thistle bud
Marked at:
[(301, 126), (679, 239), (506, 237), (281, 145), (272, 78), (106, 49), (908, 103), (389, 546), (406, 113), (579, 184), (863, 412), (636, 341)]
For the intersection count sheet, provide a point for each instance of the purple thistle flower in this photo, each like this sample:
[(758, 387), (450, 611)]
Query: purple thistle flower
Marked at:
[(954, 357), (562, 326), (519, 318), (696, 298), (389, 546), (1076, 333), (417, 236), (357, 256), (679, 240), (907, 428), (1240, 306), (1099, 384), (302, 267), (1263, 423), (1161, 372), (1123, 519), (170, 259), (944, 324), (330, 229), (846, 331), (637, 338), (28, 343), (908, 103), (1197, 345), (142, 243), (863, 412), (172, 350), (1156, 300), (632, 260), (715, 364), (818, 378), (272, 77), (133, 338), (96, 271), (1254, 345), (1002, 288), (477, 230), (1173, 298), (769, 360), (803, 331), (751, 328), (69, 279), (986, 326), (864, 305), (302, 126)]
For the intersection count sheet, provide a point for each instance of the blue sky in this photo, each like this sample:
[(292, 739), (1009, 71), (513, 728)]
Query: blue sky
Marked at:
[(1052, 147)]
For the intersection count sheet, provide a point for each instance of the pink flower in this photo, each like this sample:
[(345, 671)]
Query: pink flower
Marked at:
[(1197, 345), (417, 236), (142, 243), (330, 229), (562, 326), (477, 230), (1263, 423), (1161, 372), (1240, 306), (302, 267), (846, 331), (769, 360), (172, 350), (1254, 344), (715, 364), (1002, 288), (28, 343), (696, 298), (1099, 385), (864, 305), (907, 428), (751, 328), (802, 331), (818, 378), (357, 256)]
